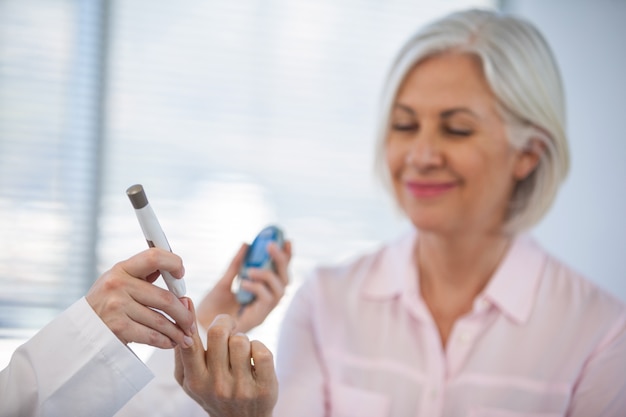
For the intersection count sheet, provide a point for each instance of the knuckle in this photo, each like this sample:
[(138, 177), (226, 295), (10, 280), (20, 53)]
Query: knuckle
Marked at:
[(222, 389), (152, 257), (218, 332), (166, 297), (161, 322), (261, 353), (239, 342), (115, 305), (245, 392), (154, 338), (111, 282), (118, 266)]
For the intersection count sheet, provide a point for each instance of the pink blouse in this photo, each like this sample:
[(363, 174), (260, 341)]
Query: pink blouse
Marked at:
[(358, 340)]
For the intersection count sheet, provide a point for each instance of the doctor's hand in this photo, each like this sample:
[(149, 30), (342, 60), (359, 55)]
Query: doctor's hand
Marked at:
[(234, 377), (126, 300), (268, 287)]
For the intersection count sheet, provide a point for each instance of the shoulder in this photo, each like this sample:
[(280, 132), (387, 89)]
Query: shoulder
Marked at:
[(564, 282), (374, 270), (576, 302)]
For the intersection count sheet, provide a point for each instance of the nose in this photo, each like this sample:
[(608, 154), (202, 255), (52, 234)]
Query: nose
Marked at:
[(424, 152)]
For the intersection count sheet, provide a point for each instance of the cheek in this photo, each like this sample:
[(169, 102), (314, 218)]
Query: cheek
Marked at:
[(490, 171), (394, 160)]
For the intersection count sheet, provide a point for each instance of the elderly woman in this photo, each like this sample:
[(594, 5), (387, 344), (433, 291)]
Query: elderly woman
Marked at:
[(465, 315)]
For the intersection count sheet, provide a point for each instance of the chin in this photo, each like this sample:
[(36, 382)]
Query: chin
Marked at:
[(429, 224)]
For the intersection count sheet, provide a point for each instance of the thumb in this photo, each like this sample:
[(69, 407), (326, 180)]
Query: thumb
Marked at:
[(233, 268), (190, 362)]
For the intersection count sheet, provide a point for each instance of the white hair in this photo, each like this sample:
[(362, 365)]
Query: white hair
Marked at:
[(524, 77)]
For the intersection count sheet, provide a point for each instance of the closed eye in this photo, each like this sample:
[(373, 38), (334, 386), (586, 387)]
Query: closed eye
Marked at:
[(402, 127), (458, 132)]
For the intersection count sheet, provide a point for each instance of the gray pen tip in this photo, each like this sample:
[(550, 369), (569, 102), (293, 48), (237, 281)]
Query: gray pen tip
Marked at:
[(137, 196)]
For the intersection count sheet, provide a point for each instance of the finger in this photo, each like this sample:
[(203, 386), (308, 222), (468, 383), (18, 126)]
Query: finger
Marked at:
[(147, 262), (233, 267), (263, 359), (153, 277), (190, 361), (179, 369), (158, 322), (281, 260), (240, 354), (132, 331), (217, 358), (269, 279), (162, 299), (263, 295)]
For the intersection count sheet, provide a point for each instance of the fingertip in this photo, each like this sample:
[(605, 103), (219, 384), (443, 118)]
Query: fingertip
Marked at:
[(187, 341), (288, 247), (179, 274), (225, 321)]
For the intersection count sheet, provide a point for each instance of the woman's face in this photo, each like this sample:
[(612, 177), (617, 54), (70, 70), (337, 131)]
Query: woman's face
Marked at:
[(452, 167)]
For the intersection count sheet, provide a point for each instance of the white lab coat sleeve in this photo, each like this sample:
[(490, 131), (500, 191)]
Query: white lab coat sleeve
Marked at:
[(75, 366)]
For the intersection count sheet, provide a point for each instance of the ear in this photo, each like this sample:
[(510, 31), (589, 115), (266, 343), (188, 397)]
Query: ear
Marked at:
[(528, 159)]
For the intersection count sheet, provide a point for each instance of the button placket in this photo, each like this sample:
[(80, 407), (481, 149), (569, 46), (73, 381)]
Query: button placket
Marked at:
[(462, 339)]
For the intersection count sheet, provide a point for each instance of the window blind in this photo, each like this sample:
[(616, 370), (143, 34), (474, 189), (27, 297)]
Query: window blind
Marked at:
[(50, 72), (232, 115)]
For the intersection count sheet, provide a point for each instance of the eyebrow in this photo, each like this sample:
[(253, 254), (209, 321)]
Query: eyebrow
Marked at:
[(449, 113), (444, 114), (405, 108)]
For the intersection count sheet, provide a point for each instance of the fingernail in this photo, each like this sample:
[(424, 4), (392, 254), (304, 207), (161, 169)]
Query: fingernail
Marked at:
[(194, 329), (185, 302), (174, 344), (188, 341)]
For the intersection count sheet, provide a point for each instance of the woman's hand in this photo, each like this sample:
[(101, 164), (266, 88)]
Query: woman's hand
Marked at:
[(234, 377), (126, 300), (267, 286)]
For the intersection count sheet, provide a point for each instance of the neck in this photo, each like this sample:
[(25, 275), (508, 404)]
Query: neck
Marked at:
[(459, 265)]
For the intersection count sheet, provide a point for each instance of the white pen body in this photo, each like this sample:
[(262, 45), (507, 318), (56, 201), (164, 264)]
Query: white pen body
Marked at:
[(156, 238)]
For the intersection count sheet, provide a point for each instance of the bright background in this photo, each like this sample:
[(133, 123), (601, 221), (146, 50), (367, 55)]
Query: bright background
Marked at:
[(234, 115)]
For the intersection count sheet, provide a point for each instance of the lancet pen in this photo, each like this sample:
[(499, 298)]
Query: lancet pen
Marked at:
[(153, 233)]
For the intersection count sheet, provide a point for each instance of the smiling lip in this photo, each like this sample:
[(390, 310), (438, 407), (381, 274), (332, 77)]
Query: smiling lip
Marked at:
[(428, 189)]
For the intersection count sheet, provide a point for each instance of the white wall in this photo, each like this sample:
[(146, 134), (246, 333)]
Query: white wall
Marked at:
[(586, 227)]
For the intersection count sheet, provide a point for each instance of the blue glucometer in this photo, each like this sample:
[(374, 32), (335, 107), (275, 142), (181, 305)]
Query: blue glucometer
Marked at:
[(258, 257)]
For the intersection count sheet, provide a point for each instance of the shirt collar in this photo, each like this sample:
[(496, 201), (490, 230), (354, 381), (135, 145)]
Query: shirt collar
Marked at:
[(513, 287), (392, 266)]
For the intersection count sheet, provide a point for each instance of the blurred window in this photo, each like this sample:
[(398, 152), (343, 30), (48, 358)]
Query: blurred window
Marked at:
[(232, 115), (50, 83)]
